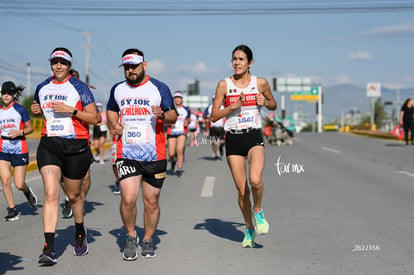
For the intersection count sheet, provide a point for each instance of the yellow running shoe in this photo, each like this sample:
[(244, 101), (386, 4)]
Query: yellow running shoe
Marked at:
[(248, 240), (262, 226)]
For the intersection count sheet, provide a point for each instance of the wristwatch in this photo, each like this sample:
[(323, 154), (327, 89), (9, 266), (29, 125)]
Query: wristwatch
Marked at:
[(75, 112)]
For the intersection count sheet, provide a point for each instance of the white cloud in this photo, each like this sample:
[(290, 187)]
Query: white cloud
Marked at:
[(156, 67), (401, 29), (342, 79), (361, 56), (406, 81), (182, 82), (394, 86), (198, 68), (209, 87), (318, 79)]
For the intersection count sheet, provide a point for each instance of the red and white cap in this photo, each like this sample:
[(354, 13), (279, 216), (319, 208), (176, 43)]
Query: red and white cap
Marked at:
[(60, 54), (133, 59), (178, 94)]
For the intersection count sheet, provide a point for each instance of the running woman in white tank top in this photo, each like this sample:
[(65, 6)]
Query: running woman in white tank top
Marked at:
[(243, 95)]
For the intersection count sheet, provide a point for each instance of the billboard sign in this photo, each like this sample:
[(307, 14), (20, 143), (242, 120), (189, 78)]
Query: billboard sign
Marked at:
[(374, 90)]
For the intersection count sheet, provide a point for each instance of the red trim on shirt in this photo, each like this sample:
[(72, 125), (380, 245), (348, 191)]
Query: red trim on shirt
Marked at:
[(66, 80), (160, 141)]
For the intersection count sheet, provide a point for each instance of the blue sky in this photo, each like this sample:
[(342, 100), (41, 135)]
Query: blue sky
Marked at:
[(331, 49)]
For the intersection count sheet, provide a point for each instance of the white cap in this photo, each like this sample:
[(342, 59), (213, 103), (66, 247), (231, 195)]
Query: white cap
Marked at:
[(133, 59), (178, 94), (61, 54)]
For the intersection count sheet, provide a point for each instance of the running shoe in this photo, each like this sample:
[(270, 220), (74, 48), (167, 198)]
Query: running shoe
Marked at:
[(262, 226), (130, 251), (81, 245), (248, 240), (116, 190), (12, 215), (31, 197), (179, 173), (148, 249), (173, 166), (48, 257), (67, 209)]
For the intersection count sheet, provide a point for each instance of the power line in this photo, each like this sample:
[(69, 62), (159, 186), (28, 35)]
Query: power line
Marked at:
[(190, 8)]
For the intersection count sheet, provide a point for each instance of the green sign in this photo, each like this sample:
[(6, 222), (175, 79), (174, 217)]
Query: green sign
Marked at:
[(311, 94)]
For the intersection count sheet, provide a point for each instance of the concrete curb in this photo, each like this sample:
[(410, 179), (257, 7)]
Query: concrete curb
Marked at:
[(375, 134)]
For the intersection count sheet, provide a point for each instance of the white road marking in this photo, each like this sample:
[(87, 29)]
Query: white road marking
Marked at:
[(208, 187), (406, 173), (331, 150)]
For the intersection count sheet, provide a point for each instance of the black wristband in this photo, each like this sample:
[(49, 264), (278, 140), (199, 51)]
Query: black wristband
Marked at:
[(75, 112), (163, 115)]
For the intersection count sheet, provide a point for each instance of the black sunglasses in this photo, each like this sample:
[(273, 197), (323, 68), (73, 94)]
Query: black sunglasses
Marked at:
[(6, 93), (63, 62), (131, 66)]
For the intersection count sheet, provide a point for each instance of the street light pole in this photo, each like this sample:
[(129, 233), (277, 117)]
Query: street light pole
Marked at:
[(28, 78), (320, 109)]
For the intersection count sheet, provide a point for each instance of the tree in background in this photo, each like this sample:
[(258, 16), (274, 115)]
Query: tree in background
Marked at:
[(379, 115), (27, 102)]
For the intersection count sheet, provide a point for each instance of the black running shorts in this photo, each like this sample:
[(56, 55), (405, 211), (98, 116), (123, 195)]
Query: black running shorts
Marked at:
[(216, 133), (73, 156), (153, 172), (241, 142)]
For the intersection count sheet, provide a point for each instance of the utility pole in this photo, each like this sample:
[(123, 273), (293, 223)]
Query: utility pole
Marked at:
[(88, 47), (320, 109), (28, 78)]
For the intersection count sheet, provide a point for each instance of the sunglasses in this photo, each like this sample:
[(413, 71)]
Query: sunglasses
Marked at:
[(6, 93), (131, 66), (63, 62)]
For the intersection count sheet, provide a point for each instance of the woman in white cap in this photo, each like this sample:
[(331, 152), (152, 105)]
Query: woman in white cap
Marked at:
[(68, 106), (177, 135), (15, 123)]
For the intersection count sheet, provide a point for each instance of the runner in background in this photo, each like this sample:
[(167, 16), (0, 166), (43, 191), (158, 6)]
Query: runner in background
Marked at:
[(86, 182), (193, 127), (116, 189), (15, 123), (215, 132), (99, 135), (201, 124), (177, 135)]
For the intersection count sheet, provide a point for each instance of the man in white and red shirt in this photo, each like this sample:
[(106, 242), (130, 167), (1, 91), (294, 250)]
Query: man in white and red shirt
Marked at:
[(137, 109)]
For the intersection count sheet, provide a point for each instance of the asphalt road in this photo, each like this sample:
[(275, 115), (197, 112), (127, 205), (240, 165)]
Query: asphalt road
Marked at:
[(336, 204)]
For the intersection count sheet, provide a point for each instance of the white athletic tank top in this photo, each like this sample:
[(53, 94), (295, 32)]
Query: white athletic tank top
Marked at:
[(247, 116)]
